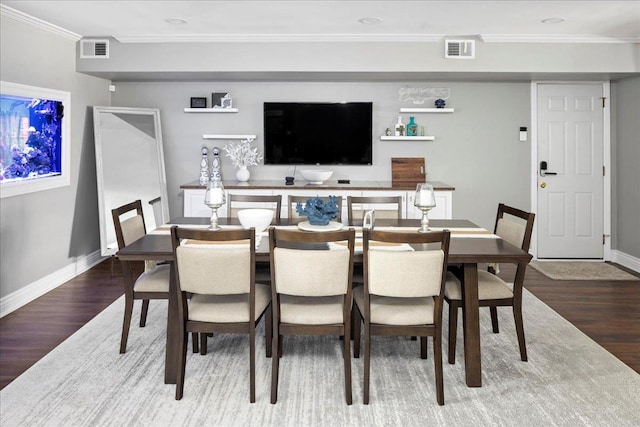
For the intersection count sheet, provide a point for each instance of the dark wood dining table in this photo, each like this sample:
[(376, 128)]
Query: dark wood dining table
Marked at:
[(466, 252)]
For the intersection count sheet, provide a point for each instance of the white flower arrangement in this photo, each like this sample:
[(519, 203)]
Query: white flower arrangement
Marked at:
[(242, 154)]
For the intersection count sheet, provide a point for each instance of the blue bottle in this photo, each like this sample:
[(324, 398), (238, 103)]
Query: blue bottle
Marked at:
[(412, 128)]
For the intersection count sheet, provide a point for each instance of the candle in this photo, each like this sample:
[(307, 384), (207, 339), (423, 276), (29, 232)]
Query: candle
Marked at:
[(216, 195)]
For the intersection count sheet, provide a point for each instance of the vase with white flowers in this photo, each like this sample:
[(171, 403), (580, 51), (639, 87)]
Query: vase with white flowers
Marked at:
[(243, 154)]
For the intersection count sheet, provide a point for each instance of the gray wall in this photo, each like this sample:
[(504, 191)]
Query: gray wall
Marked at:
[(45, 231), (476, 148), (626, 123)]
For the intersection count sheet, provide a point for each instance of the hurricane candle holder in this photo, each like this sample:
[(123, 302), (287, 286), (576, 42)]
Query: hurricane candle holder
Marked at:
[(425, 200), (214, 198)]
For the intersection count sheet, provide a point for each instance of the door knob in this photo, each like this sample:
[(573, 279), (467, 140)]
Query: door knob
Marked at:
[(543, 184)]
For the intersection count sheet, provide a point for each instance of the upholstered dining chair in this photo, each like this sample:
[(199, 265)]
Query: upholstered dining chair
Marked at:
[(293, 200), (515, 226), (235, 202), (402, 294), (311, 290), (153, 283), (217, 269), (384, 206)]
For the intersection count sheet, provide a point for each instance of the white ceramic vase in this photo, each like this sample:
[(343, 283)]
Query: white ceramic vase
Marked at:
[(243, 174)]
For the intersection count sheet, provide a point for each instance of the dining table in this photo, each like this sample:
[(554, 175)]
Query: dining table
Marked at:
[(470, 245)]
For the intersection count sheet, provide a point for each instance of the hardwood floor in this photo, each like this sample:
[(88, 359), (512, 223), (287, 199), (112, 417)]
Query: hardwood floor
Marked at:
[(606, 311)]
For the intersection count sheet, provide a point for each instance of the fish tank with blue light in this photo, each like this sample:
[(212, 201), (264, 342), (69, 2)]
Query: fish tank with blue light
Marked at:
[(30, 138)]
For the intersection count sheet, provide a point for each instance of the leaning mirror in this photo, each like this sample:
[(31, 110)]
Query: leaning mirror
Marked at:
[(129, 166)]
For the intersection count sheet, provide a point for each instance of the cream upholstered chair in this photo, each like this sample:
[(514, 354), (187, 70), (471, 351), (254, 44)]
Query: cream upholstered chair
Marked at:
[(402, 294), (294, 217), (385, 207), (218, 269), (153, 283), (515, 226), (311, 290), (235, 202)]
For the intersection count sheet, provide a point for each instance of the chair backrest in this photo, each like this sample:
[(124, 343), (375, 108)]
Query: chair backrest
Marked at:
[(405, 273), (293, 200), (516, 227), (128, 221), (210, 262), (385, 207), (235, 202), (311, 264)]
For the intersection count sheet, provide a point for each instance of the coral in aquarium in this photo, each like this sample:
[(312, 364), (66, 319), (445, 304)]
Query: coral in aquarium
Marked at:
[(318, 211), (38, 156)]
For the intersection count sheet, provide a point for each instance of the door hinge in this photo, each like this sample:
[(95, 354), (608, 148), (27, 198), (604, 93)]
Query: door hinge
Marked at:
[(603, 238), (603, 171), (603, 100)]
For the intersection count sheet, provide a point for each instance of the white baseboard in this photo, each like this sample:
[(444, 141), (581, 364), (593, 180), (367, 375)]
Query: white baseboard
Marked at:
[(22, 296), (626, 260)]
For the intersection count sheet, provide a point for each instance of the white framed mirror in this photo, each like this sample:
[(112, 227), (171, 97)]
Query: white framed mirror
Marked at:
[(129, 166)]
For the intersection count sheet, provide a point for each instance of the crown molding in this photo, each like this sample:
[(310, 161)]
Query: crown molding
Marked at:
[(557, 38), (279, 38), (38, 23)]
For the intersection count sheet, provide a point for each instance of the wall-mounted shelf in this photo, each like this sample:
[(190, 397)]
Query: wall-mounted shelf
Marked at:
[(426, 110), (249, 137), (407, 138), (210, 110)]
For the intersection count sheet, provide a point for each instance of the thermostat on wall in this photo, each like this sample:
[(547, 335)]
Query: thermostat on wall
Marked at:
[(523, 134)]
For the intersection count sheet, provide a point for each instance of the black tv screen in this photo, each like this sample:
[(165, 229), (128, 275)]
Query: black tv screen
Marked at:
[(305, 133)]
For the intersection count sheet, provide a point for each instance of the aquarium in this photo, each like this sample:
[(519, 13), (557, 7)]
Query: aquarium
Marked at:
[(33, 139)]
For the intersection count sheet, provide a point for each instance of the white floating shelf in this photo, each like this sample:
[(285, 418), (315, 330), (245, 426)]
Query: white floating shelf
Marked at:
[(250, 137), (407, 138), (210, 110), (426, 110)]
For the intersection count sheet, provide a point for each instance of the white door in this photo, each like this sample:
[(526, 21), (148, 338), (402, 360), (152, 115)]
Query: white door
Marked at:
[(570, 191)]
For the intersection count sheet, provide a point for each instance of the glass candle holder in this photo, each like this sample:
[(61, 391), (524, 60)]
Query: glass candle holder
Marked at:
[(214, 197), (425, 200)]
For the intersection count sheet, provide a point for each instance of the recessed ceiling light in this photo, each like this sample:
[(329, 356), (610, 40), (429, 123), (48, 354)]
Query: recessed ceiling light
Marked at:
[(175, 21), (370, 20), (552, 20)]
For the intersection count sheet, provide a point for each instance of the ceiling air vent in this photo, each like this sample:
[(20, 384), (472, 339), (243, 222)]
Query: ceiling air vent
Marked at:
[(460, 49), (93, 48)]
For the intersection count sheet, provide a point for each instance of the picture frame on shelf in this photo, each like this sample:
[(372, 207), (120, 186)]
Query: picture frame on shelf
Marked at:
[(198, 102), (216, 99)]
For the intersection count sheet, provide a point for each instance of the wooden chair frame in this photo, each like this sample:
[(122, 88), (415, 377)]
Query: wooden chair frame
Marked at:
[(255, 198), (423, 331), (130, 294), (208, 327), (375, 200), (515, 301), (293, 238)]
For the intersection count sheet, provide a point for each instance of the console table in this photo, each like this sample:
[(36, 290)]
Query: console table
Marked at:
[(193, 204)]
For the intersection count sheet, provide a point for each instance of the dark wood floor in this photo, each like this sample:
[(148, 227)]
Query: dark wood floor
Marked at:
[(607, 311)]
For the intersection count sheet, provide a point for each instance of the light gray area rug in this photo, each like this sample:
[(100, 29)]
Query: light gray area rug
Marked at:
[(569, 381), (581, 270)]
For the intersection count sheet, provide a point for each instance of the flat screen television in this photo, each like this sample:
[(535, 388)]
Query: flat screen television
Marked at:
[(317, 133)]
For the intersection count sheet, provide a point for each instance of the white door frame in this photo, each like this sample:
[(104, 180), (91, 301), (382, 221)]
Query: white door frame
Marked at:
[(606, 142)]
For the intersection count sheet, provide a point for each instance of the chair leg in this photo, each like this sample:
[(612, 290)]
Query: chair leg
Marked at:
[(182, 363), (203, 343), (356, 331), (268, 331), (423, 347), (143, 313), (275, 362), (128, 311), (194, 341), (453, 326), (347, 361), (517, 317), (494, 319), (367, 362), (437, 357), (252, 365)]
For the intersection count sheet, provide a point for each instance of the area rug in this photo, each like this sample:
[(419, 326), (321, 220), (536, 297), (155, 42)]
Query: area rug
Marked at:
[(569, 380), (581, 270)]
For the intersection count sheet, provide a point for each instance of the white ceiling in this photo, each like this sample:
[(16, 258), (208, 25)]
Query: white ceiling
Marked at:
[(290, 20)]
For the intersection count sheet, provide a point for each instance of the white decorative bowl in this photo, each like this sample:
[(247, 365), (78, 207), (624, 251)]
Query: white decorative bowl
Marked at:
[(256, 218), (316, 176)]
